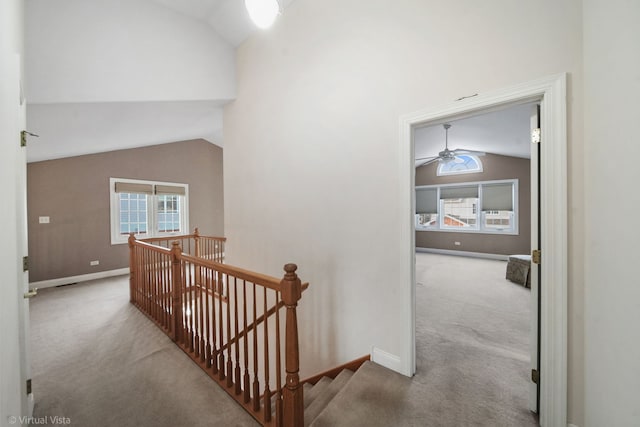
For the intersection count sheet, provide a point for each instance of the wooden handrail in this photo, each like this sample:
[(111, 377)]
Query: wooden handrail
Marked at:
[(196, 301), (242, 274)]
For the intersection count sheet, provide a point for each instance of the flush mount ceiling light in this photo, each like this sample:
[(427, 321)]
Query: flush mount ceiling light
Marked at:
[(262, 12)]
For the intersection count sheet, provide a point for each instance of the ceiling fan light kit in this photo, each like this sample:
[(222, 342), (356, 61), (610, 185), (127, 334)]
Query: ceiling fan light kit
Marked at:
[(447, 155)]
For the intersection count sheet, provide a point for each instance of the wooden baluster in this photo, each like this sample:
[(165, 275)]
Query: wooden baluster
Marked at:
[(256, 383), (154, 287), (207, 329), (267, 391), (221, 364), (214, 350), (229, 344), (145, 284), (161, 285), (278, 365), (204, 305), (292, 394), (132, 267), (167, 291), (198, 315), (247, 390), (194, 316), (176, 281), (238, 376), (152, 273)]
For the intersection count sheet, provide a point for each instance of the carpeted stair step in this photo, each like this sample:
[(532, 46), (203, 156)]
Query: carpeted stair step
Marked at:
[(322, 398), (372, 393), (317, 388)]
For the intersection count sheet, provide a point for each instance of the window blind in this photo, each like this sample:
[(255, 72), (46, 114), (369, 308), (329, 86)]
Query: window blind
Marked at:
[(459, 192), (426, 200), (170, 189), (497, 197), (132, 187)]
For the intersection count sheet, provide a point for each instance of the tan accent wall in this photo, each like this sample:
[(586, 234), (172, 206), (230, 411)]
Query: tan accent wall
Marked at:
[(494, 167), (74, 193)]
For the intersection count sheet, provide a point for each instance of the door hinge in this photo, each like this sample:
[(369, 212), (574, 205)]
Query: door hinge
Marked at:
[(29, 391), (23, 137), (25, 263), (535, 136), (536, 256), (535, 376)]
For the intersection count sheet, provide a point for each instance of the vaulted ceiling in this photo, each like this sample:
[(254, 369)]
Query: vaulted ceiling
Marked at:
[(506, 132), (113, 74), (227, 17)]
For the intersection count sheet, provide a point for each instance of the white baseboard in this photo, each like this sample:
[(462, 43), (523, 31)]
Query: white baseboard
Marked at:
[(81, 278), (464, 253), (571, 425), (385, 359)]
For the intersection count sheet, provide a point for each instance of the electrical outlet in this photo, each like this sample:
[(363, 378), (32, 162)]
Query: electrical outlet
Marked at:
[(43, 220), (96, 262), (457, 243)]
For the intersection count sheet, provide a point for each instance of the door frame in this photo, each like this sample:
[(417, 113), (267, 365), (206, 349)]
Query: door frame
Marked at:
[(551, 93)]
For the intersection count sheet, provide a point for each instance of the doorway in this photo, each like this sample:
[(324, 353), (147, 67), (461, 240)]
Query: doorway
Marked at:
[(475, 179), (553, 218)]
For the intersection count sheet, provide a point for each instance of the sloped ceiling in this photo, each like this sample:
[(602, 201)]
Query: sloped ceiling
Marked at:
[(505, 132), (112, 74), (228, 18)]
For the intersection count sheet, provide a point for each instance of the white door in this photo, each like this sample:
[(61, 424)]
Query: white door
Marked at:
[(23, 251), (14, 314), (534, 274)]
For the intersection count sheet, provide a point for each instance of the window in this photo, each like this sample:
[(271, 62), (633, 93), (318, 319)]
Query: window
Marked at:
[(482, 207), (462, 163), (147, 209), (459, 207)]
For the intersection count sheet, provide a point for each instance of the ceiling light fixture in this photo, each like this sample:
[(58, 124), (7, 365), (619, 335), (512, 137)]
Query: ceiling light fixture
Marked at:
[(262, 12)]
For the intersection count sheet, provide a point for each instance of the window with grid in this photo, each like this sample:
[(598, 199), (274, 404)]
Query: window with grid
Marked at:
[(481, 207), (147, 209)]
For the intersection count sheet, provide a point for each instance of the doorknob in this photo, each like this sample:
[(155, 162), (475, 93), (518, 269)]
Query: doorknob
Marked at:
[(32, 293)]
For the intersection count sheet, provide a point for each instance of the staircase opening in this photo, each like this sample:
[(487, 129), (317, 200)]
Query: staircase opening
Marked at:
[(239, 326)]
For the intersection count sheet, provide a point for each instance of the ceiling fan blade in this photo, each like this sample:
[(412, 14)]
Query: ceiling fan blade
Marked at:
[(427, 160), (458, 151)]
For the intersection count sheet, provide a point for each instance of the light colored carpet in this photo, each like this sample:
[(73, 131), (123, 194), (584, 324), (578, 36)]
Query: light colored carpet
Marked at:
[(99, 361), (472, 331)]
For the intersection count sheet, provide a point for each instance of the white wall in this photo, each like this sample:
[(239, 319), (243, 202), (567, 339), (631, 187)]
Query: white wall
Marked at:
[(12, 401), (122, 50), (311, 149), (612, 285)]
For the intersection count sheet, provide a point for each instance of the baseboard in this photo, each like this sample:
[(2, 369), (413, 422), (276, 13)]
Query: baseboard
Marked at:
[(388, 360), (332, 373), (571, 425), (464, 253), (81, 278)]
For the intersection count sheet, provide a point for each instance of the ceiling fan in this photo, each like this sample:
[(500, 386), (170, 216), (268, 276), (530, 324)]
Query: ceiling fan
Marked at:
[(447, 155)]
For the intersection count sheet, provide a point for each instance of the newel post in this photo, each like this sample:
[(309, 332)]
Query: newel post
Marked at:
[(196, 238), (132, 267), (176, 282), (291, 289)]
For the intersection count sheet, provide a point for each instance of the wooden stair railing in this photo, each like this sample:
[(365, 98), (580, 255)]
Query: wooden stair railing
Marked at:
[(237, 338)]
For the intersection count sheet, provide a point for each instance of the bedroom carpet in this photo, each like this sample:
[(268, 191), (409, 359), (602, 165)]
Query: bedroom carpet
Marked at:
[(472, 355), (98, 361)]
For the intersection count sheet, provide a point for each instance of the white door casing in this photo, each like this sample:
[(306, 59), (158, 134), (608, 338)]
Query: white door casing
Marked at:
[(533, 272), (551, 91)]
